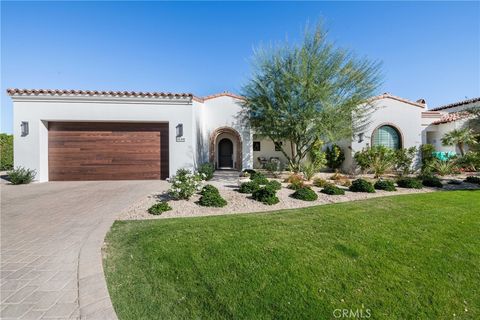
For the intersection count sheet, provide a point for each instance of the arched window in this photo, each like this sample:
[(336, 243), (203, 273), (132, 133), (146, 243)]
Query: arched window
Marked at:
[(387, 136)]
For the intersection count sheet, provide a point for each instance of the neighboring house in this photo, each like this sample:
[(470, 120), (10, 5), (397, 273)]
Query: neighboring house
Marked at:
[(115, 135)]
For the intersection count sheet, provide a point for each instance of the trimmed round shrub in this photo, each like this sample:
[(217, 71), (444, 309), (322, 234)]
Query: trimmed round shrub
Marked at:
[(386, 185), (207, 189), (206, 170), (409, 183), (319, 182), (266, 196), (305, 194), (212, 199), (259, 178), (249, 187), (21, 175), (432, 181), (274, 184), (473, 179), (362, 185), (159, 207), (332, 189)]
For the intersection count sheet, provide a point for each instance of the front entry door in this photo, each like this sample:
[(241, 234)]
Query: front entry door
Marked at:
[(225, 153)]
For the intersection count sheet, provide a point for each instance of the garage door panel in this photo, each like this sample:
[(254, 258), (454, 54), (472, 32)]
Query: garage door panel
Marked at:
[(108, 151)]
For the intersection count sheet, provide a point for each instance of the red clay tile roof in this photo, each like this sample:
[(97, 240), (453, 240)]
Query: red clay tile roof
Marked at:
[(456, 104), (59, 92), (390, 96), (450, 117), (223, 94)]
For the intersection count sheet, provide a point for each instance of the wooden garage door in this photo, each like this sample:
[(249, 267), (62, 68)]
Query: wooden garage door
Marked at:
[(107, 151)]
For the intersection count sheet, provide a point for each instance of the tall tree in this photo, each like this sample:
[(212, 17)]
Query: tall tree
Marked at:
[(310, 93), (460, 138)]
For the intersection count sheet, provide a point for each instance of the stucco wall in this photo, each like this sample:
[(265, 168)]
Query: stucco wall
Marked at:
[(32, 151), (225, 111), (267, 150), (403, 116)]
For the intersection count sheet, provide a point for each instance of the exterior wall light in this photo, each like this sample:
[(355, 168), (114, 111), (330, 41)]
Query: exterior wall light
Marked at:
[(24, 127), (179, 130), (360, 137)]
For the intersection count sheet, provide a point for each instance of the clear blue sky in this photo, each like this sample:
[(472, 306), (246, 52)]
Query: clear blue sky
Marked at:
[(429, 49)]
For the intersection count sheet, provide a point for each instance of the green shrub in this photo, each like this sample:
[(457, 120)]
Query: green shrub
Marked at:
[(211, 197), (410, 183), (443, 167), (309, 170), (21, 175), (319, 182), (334, 156), (469, 162), (377, 159), (332, 189), (274, 184), (473, 179), (386, 185), (6, 151), (184, 184), (426, 151), (432, 181), (159, 207), (206, 170), (361, 185), (259, 178), (249, 187), (404, 160), (266, 196), (305, 194)]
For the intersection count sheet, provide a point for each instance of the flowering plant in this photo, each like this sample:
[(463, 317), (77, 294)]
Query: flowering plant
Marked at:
[(185, 183)]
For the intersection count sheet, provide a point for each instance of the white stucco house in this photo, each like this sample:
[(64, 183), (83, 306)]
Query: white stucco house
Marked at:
[(116, 135)]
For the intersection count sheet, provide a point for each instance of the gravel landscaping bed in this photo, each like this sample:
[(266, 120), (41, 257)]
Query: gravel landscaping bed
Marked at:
[(243, 203)]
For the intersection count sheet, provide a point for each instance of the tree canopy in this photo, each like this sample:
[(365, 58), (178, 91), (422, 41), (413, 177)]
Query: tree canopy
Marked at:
[(310, 93)]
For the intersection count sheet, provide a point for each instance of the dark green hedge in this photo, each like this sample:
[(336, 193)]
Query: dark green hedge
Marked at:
[(6, 151)]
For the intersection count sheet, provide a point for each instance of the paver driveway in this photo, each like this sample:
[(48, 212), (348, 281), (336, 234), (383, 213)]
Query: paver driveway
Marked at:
[(51, 238)]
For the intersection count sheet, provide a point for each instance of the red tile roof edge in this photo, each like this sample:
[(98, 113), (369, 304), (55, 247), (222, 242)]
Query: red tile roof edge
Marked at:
[(63, 92), (390, 96), (456, 104), (450, 117), (217, 95)]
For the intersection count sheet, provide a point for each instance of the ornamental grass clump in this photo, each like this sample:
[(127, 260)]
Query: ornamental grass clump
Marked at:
[(21, 175), (249, 187), (211, 197), (409, 183), (386, 185), (184, 184), (266, 195), (332, 189), (319, 182), (362, 185), (305, 194), (159, 207)]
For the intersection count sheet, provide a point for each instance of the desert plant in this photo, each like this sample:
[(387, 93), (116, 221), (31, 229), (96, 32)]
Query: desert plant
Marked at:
[(386, 185), (344, 182), (377, 159), (211, 197), (266, 196), (473, 179), (409, 183), (337, 176), (332, 189), (21, 175), (305, 194), (6, 151), (444, 168), (308, 92), (460, 138), (206, 169), (184, 184), (362, 185), (317, 156), (159, 207), (334, 156), (274, 184), (249, 187), (404, 160), (431, 181), (319, 182), (308, 170), (470, 161), (273, 167)]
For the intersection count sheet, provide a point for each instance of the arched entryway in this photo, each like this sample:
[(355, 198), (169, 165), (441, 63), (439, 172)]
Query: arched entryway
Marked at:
[(226, 149)]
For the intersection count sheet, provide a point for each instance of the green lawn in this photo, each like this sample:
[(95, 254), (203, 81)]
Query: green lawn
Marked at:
[(402, 257)]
